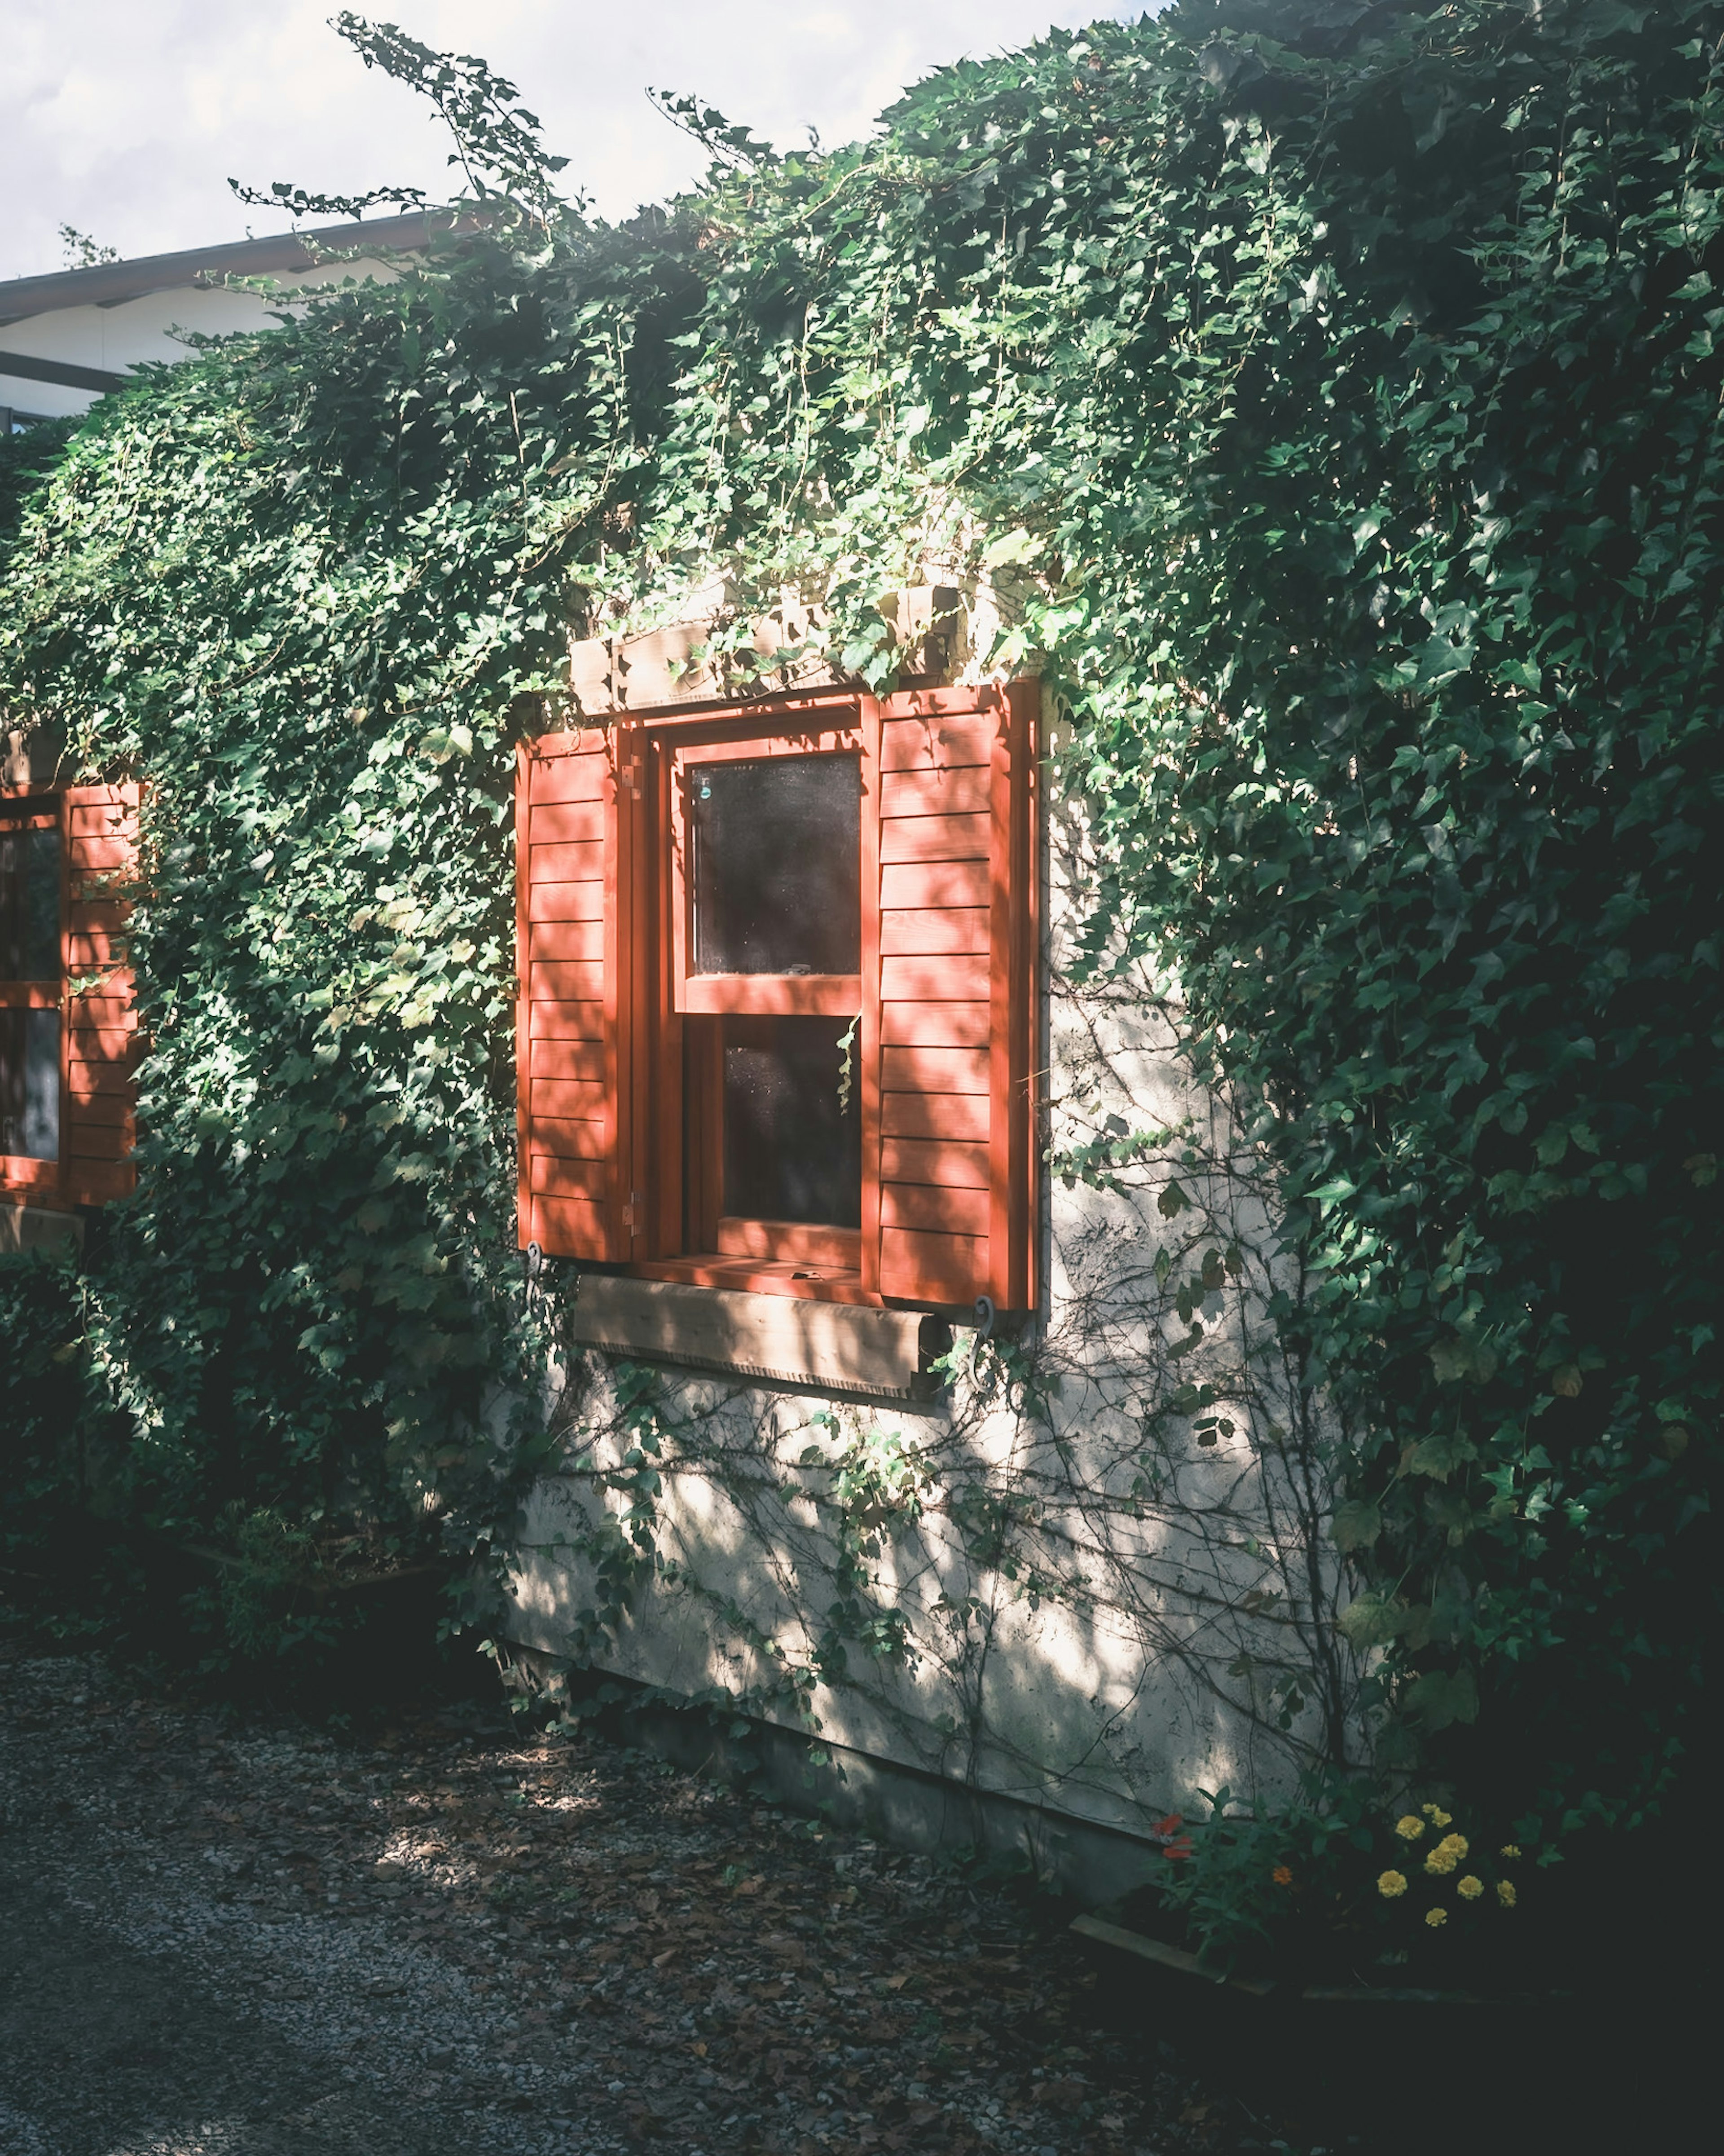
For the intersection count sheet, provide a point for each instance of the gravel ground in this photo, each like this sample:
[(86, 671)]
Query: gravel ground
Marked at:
[(250, 1937)]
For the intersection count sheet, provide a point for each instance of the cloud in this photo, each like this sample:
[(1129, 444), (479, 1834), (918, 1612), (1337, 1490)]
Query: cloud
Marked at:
[(124, 117)]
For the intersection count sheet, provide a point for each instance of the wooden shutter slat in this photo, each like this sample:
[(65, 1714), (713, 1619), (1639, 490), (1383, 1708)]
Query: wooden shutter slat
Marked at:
[(935, 1070), (581, 1018), (917, 883), (566, 823), (934, 1025), (936, 744), (934, 929), (934, 1115), (581, 861), (575, 942), (956, 1163), (932, 1268), (956, 978), (933, 838), (960, 790), (566, 902)]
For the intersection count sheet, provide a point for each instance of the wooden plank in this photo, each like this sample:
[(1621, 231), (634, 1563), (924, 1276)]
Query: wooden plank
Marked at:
[(937, 743), (85, 856), (565, 902), (570, 864), (934, 1070), (945, 1211), (98, 916), (84, 1080), (584, 777), (568, 941), (935, 1025), (948, 1163), (567, 823), (118, 1110), (912, 885), (561, 1176), (579, 1099), (960, 790), (96, 819), (90, 1043), (929, 1268), (567, 1227), (552, 982), (94, 1141), (106, 1013), (99, 1183), (86, 953), (957, 977), (933, 929), (915, 885), (569, 1060), (934, 1116), (567, 1140), (934, 838), (569, 1019)]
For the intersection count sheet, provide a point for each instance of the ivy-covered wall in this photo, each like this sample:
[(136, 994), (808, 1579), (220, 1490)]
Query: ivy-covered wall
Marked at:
[(1330, 397), (1094, 1574)]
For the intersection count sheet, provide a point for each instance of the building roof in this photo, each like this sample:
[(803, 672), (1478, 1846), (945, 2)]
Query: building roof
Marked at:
[(110, 283)]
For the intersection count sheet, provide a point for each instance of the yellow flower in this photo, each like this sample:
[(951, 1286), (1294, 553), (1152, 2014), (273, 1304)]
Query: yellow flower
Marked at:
[(1435, 1916), (1392, 1883), (1410, 1828), (1470, 1888), (1509, 1849), (1505, 1892), (1446, 1856), (1436, 1815)]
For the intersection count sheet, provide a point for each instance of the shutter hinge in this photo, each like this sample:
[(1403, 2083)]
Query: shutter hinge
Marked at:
[(632, 776), (630, 1211)]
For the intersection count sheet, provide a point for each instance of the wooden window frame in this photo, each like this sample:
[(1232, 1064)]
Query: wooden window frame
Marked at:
[(948, 1032), (98, 831), (19, 1172)]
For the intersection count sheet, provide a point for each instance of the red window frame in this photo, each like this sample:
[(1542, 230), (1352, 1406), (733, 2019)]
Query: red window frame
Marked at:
[(93, 992), (616, 1169)]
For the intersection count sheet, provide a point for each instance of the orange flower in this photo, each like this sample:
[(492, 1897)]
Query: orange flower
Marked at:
[(1281, 1875)]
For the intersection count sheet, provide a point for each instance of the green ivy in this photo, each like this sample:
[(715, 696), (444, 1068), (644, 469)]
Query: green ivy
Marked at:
[(1329, 398)]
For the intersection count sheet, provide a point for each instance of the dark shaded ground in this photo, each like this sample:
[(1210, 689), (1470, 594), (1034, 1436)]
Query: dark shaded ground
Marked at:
[(246, 1937)]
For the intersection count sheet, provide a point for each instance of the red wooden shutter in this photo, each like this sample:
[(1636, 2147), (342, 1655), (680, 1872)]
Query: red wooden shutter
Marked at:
[(571, 1046), (102, 852), (957, 1003)]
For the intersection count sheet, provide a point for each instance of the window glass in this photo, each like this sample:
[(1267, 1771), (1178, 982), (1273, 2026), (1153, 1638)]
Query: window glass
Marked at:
[(777, 868), (30, 1084), (792, 1125), (29, 903)]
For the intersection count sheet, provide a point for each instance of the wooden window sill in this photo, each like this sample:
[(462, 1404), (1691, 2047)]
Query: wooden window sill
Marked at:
[(807, 1281), (787, 1339)]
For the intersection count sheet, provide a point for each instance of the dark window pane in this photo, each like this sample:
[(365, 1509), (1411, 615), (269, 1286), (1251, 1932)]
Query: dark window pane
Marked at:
[(777, 868), (29, 904), (30, 1084), (791, 1150)]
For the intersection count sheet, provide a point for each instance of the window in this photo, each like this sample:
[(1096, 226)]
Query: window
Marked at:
[(31, 886), (65, 998), (776, 1016)]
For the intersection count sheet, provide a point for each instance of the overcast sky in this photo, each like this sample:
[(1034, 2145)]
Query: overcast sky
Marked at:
[(124, 117)]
